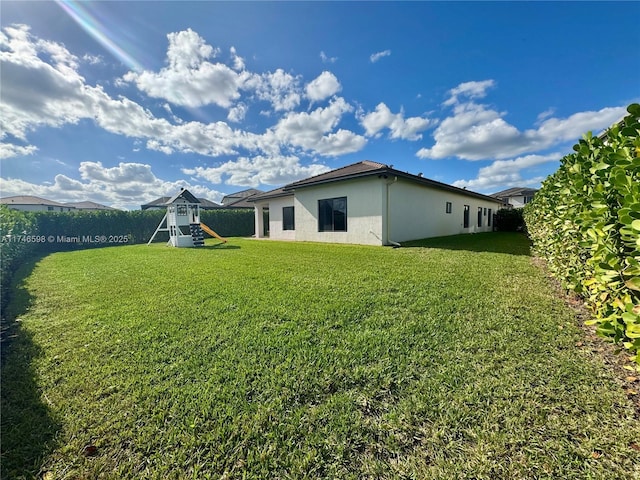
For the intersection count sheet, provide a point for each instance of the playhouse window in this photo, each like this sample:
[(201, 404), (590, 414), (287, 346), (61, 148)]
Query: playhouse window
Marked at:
[(332, 215), (288, 218), (182, 210), (448, 207)]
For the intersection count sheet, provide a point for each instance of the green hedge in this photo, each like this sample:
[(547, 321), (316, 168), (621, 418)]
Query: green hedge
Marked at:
[(509, 220), (14, 226), (68, 231), (585, 221)]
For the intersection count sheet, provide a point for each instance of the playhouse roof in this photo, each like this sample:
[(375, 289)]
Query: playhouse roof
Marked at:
[(185, 194)]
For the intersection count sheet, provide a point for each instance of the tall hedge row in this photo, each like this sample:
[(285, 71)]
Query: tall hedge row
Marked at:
[(585, 221), (138, 226), (13, 224), (24, 234)]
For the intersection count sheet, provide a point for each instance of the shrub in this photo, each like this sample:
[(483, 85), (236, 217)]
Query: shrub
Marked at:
[(509, 220), (585, 221), (17, 229)]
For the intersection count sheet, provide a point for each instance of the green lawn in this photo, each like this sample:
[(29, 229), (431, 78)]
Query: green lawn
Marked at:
[(448, 359)]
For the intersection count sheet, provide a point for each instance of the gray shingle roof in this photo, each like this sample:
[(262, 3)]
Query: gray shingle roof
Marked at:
[(237, 196), (30, 200), (368, 168), (514, 192), (87, 205)]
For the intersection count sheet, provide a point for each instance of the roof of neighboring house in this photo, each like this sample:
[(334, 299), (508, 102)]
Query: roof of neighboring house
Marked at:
[(364, 169), (515, 192), (87, 205), (204, 203), (158, 202), (237, 196), (278, 192), (31, 200)]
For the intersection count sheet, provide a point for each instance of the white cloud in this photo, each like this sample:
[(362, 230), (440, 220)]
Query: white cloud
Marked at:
[(324, 86), (400, 128), (313, 131), (126, 186), (238, 61), (279, 88), (327, 59), (546, 114), (508, 173), (237, 112), (8, 150), (471, 90), (476, 131), (59, 95), (577, 124), (377, 56), (92, 59), (190, 79), (252, 172)]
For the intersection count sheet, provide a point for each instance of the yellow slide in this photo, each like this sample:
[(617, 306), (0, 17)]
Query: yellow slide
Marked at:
[(212, 233)]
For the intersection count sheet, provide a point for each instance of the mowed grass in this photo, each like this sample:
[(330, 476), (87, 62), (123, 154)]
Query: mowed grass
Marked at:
[(259, 359)]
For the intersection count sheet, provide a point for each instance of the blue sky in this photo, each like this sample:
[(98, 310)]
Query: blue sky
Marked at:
[(123, 102)]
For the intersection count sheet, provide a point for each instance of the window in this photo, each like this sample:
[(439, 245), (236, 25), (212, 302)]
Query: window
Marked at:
[(448, 207), (489, 219), (288, 219), (182, 210), (485, 212), (332, 215), (466, 216), (479, 216), (50, 209), (527, 199)]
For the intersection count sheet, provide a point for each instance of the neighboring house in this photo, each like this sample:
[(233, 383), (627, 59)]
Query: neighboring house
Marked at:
[(240, 199), (372, 204), (89, 206), (28, 203), (516, 197), (161, 204)]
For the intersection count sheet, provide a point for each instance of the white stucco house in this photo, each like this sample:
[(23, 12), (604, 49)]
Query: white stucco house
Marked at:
[(370, 203), (29, 203), (516, 197)]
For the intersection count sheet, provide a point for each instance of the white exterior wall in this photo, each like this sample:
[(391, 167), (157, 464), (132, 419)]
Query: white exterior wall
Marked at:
[(417, 211), (517, 202), (275, 218), (365, 204), (38, 208)]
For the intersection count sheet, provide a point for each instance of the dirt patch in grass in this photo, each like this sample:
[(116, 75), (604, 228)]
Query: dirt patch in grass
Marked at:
[(613, 356)]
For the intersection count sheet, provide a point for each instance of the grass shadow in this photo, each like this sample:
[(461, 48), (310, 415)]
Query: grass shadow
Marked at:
[(27, 426), (220, 246), (512, 243)]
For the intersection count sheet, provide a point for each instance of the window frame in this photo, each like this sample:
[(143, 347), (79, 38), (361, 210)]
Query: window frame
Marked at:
[(338, 218), (448, 207), (288, 219)]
